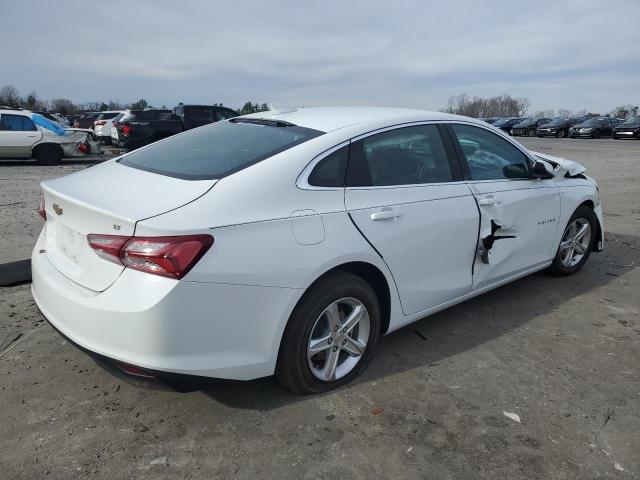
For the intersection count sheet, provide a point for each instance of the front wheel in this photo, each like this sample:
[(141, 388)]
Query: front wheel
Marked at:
[(561, 134), (597, 134), (576, 243), (330, 335)]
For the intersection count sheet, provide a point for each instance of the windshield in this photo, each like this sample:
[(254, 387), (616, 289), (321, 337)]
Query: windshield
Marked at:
[(632, 120), (218, 149), (557, 121), (527, 120), (591, 122)]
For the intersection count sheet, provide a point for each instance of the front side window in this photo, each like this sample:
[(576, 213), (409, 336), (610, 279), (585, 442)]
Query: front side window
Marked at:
[(489, 156), (16, 123), (217, 149), (404, 156)]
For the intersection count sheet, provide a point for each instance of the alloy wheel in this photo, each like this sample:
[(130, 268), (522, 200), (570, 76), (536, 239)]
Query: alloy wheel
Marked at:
[(575, 242), (338, 339)]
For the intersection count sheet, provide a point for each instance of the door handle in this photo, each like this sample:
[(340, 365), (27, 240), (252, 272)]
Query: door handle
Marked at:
[(386, 214), (488, 200)]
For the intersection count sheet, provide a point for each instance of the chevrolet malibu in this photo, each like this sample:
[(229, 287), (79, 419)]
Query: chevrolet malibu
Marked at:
[(287, 242)]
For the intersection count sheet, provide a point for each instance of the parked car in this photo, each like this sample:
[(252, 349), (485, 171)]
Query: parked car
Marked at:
[(24, 134), (193, 116), (138, 128), (102, 125), (115, 141), (594, 127), (558, 127), (506, 124), (54, 117), (630, 128), (528, 126), (275, 242), (491, 120), (86, 120)]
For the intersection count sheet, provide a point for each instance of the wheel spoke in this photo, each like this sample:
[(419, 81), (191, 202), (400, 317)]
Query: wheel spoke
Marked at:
[(579, 248), (333, 316), (354, 347), (583, 230), (329, 369), (353, 318), (565, 245), (319, 345)]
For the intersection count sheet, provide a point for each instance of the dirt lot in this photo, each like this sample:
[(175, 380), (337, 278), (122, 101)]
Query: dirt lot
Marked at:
[(562, 354)]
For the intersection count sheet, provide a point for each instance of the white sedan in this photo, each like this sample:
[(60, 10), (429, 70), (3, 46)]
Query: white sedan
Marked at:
[(288, 242)]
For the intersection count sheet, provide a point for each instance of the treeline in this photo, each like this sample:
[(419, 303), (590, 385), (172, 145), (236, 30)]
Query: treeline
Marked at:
[(10, 97), (507, 106)]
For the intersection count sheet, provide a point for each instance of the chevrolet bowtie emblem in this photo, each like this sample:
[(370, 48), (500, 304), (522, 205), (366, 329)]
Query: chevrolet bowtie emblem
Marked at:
[(57, 209)]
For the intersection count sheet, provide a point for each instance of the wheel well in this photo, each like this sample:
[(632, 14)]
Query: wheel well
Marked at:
[(49, 144), (589, 204), (376, 279)]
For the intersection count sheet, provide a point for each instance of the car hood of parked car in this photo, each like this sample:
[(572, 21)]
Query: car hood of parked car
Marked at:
[(561, 166)]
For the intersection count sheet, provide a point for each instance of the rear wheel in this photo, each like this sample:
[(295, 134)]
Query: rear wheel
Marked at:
[(48, 154), (330, 336), (576, 243)]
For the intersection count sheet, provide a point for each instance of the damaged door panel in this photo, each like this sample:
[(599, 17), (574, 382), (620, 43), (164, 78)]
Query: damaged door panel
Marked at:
[(518, 223)]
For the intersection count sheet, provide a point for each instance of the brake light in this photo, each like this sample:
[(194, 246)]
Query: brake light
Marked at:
[(171, 257), (83, 147), (100, 122), (41, 209), (126, 129)]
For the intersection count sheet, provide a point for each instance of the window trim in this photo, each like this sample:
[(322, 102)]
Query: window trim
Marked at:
[(463, 160)]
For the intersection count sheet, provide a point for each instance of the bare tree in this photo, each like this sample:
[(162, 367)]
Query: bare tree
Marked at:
[(63, 106), (10, 96), (499, 106)]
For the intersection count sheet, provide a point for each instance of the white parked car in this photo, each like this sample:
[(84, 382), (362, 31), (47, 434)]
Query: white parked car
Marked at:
[(24, 134), (287, 242), (103, 123), (115, 138)]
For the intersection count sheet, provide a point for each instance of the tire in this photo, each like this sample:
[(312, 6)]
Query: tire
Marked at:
[(561, 265), (309, 321), (532, 132), (561, 133), (540, 136), (48, 154), (596, 134)]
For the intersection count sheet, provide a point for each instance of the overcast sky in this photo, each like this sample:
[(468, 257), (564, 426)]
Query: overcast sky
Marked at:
[(559, 54)]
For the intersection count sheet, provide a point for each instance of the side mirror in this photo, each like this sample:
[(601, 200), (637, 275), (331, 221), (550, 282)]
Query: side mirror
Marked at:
[(541, 170)]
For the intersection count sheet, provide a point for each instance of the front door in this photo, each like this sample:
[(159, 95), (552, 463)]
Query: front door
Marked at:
[(518, 214), (404, 193)]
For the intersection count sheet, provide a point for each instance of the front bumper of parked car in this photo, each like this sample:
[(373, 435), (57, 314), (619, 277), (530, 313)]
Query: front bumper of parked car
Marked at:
[(626, 133)]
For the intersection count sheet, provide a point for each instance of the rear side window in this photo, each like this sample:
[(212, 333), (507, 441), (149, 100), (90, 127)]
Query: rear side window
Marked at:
[(201, 113), (330, 171), (226, 113), (404, 156), (218, 149), (16, 123), (489, 156)]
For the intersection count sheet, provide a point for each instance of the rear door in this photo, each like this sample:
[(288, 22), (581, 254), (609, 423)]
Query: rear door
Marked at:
[(406, 197), (518, 214), (17, 134)]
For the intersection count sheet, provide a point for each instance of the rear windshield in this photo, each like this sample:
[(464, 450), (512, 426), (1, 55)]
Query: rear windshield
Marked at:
[(218, 149), (108, 115), (151, 115)]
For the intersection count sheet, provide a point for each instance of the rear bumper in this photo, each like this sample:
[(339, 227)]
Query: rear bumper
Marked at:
[(159, 324)]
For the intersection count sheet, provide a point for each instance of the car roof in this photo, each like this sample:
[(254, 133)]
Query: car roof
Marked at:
[(328, 119), (28, 113)]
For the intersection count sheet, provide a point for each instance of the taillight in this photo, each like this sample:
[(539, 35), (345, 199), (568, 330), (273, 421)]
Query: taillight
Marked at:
[(126, 129), (100, 122), (169, 257), (41, 209), (83, 147)]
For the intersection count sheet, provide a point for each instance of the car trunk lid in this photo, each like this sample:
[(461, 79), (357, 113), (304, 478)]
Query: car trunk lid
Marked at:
[(106, 199)]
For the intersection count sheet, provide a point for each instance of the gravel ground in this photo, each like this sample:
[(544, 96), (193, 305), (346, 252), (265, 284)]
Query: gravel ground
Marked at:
[(562, 354)]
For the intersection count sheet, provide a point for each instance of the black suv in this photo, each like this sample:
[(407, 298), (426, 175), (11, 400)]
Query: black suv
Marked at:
[(138, 128), (594, 127), (558, 127), (630, 128), (197, 115), (528, 126)]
